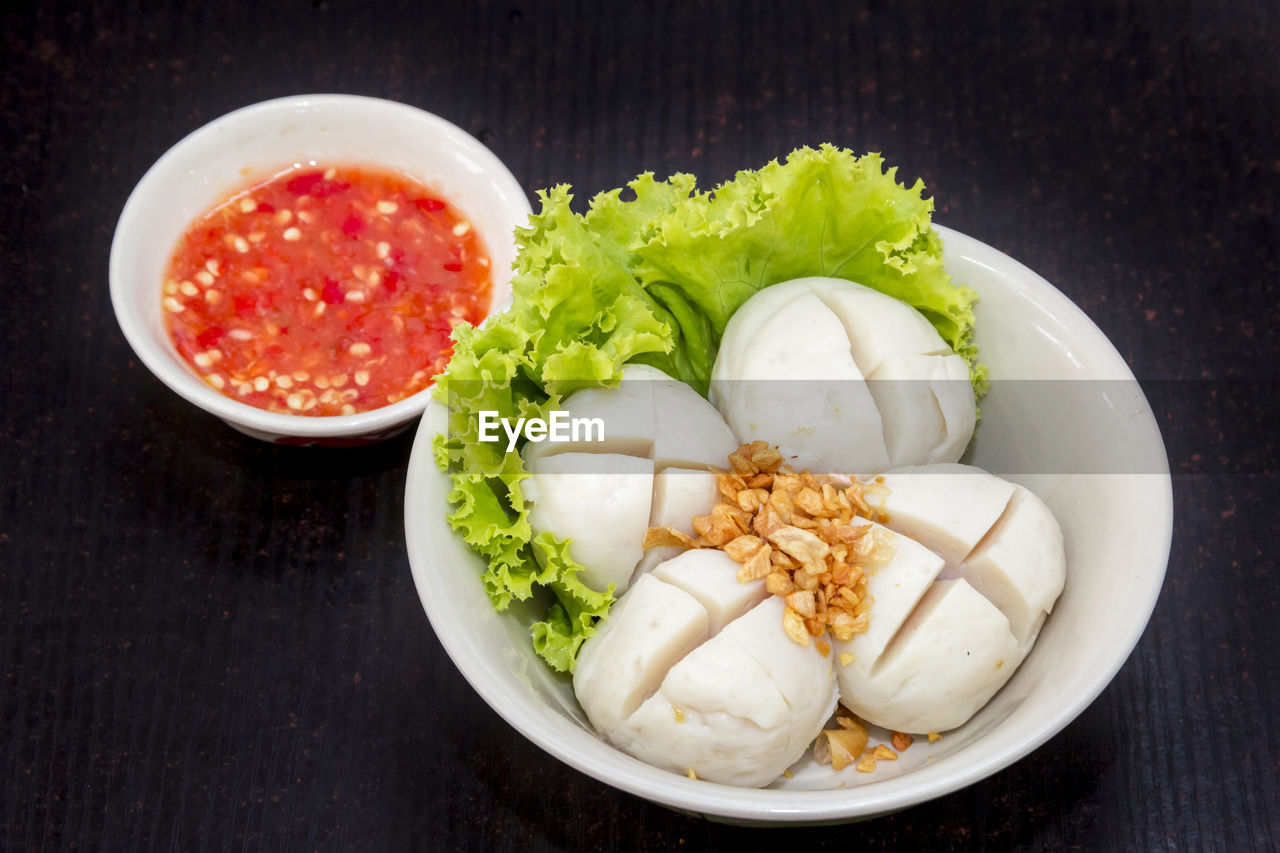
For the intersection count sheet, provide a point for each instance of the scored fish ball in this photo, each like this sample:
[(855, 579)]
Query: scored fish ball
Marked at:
[(797, 387), (869, 383), (739, 707), (647, 414), (1021, 565), (598, 501), (946, 661), (734, 712), (648, 630), (977, 563), (997, 535)]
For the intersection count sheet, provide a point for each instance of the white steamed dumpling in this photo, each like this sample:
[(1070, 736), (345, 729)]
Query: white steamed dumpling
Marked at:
[(843, 378), (599, 501), (652, 468), (647, 414), (996, 535), (977, 563), (693, 671)]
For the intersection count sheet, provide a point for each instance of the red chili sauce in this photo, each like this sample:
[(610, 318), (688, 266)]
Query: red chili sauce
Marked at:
[(325, 291)]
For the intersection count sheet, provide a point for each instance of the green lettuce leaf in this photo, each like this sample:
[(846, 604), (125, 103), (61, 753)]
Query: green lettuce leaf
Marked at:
[(655, 279), (577, 315), (822, 212)]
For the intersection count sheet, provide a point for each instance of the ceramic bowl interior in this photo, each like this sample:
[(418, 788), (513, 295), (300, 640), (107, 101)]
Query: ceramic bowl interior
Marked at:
[(1064, 417), (257, 142)]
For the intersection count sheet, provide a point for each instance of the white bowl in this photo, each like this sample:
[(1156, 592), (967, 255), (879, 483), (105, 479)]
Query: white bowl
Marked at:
[(1104, 474), (256, 142)]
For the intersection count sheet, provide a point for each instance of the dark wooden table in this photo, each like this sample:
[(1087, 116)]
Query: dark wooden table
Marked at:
[(210, 643)]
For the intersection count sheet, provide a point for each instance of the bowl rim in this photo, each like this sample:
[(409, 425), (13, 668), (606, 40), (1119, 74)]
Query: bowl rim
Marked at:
[(567, 741), (162, 360)]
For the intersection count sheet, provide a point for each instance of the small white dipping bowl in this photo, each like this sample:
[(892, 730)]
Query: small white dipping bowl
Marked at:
[(1104, 474), (255, 143)]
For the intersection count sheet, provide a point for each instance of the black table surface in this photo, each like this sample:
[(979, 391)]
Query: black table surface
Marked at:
[(211, 643)]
